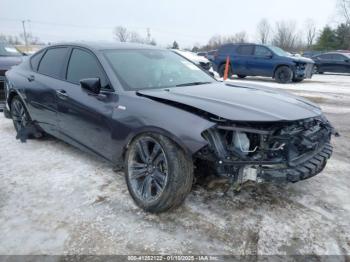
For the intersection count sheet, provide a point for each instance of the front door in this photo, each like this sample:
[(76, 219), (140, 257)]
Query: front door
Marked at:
[(262, 63), (83, 116)]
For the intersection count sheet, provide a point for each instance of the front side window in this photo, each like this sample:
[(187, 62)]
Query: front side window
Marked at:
[(82, 65), (339, 58), (262, 51), (52, 62), (278, 51), (149, 69)]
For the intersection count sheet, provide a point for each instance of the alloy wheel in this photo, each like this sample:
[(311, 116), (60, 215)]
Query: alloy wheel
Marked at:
[(148, 169), (18, 114)]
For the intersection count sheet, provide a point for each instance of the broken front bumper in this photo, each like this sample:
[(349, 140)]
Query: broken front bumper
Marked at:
[(302, 171), (310, 166), (304, 71)]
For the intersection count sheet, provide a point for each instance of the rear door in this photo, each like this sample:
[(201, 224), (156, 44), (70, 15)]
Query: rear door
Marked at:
[(242, 60), (84, 117), (44, 80)]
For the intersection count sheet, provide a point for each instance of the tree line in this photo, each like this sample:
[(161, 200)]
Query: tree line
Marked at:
[(286, 35)]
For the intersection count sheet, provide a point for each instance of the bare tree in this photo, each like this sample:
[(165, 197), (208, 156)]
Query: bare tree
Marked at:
[(134, 37), (344, 10), (264, 30), (285, 35), (310, 29), (121, 34), (215, 42), (240, 37)]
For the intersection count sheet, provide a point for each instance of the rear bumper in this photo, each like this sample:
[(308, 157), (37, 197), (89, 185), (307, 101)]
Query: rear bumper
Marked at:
[(302, 171)]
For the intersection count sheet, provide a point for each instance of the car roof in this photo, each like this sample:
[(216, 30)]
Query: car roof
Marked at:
[(331, 53), (107, 45)]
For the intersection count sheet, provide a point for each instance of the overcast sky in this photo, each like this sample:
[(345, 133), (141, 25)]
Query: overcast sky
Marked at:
[(187, 21)]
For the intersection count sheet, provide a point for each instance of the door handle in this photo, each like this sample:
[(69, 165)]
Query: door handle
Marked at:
[(31, 78), (62, 94)]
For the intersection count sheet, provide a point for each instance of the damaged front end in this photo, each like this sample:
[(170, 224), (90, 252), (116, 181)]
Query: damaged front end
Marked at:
[(268, 152)]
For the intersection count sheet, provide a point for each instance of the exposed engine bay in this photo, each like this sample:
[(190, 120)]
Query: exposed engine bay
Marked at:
[(269, 152)]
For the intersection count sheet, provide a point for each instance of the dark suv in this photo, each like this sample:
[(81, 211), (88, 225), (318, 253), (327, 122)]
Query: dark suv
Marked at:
[(263, 60), (9, 56)]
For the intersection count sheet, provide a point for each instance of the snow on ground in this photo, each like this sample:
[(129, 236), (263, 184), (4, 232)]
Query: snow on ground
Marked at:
[(55, 199)]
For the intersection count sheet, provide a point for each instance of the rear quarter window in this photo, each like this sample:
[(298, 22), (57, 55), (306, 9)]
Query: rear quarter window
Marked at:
[(35, 60), (245, 50), (226, 49)]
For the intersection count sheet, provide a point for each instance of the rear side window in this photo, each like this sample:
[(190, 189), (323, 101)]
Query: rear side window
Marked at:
[(82, 65), (245, 50), (35, 60), (52, 62)]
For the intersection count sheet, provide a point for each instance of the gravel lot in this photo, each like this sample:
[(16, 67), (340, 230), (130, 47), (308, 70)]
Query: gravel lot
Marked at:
[(55, 199)]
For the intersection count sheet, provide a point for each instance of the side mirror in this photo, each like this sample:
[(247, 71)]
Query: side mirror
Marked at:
[(269, 56), (91, 84), (347, 60)]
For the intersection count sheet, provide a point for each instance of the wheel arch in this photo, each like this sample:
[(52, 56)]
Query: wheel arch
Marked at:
[(189, 151), (11, 95), (280, 65)]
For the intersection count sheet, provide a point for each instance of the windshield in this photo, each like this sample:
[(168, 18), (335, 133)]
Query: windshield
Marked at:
[(149, 69), (7, 50), (279, 51)]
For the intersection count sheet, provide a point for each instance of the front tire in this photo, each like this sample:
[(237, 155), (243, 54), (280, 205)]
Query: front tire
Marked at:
[(241, 76), (283, 75), (159, 175)]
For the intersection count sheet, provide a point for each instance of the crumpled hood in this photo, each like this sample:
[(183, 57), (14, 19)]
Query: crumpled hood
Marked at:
[(302, 59), (6, 62), (238, 102)]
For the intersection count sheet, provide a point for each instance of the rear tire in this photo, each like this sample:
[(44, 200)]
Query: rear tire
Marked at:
[(159, 175), (241, 76), (317, 70), (283, 75), (222, 70), (22, 121), (19, 114)]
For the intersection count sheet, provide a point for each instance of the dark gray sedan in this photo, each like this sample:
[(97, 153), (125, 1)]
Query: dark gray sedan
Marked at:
[(159, 117)]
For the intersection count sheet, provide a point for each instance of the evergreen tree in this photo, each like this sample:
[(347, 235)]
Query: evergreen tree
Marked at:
[(343, 36), (327, 39), (175, 45)]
